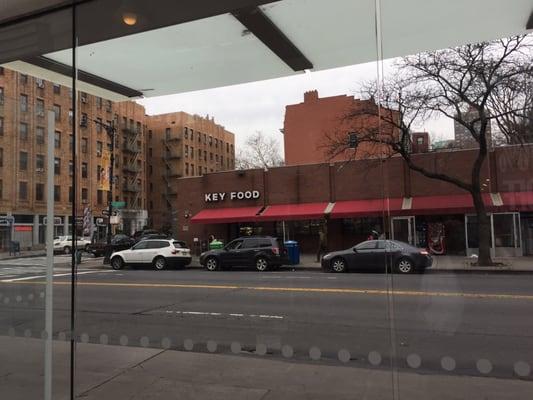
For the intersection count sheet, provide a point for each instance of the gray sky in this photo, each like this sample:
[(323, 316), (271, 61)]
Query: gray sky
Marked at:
[(260, 106)]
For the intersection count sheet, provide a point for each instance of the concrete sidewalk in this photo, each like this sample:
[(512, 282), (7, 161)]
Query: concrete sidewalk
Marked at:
[(106, 372)]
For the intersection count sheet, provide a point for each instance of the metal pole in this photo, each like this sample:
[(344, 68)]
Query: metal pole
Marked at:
[(49, 304), (111, 131)]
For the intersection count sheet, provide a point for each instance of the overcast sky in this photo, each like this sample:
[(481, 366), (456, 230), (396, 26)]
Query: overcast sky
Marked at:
[(260, 106)]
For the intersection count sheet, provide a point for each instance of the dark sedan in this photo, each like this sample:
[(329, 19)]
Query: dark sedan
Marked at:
[(375, 255)]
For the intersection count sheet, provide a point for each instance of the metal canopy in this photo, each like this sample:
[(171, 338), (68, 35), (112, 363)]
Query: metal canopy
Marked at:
[(211, 44)]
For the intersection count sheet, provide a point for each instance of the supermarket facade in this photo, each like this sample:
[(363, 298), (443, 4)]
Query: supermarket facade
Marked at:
[(358, 197)]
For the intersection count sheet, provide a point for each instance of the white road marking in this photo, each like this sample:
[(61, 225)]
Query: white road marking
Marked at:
[(217, 314), (27, 278)]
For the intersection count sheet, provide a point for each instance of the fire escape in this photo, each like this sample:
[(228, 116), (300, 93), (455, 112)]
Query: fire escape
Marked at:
[(171, 158), (131, 168)]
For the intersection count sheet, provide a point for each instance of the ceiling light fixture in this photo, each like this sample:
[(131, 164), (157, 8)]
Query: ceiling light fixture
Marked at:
[(129, 18)]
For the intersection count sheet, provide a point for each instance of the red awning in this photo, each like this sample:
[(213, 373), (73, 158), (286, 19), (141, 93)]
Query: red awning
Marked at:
[(362, 208), (517, 201), (459, 203), (287, 212), (226, 215)]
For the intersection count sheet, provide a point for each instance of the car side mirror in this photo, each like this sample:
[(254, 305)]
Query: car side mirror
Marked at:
[(354, 250)]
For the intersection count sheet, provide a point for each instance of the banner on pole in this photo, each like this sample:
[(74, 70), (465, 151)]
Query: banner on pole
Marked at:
[(104, 173)]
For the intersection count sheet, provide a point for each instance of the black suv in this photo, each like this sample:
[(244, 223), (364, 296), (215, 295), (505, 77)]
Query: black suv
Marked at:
[(261, 252)]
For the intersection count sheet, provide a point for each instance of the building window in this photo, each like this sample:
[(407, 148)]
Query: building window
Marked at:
[(71, 142), (186, 169), (192, 169), (151, 205), (216, 158), (1, 126), (227, 147), (167, 133), (70, 168), (23, 190), (186, 152), (23, 161), (205, 155), (1, 189), (1, 95), (199, 154), (1, 157), (186, 133), (57, 139), (222, 161), (151, 187), (99, 149), (70, 117), (39, 83), (99, 197), (57, 112), (57, 193), (57, 166), (39, 107), (150, 152), (70, 194), (98, 125), (192, 134), (83, 97), (216, 143), (23, 130), (151, 170), (210, 140), (23, 79), (23, 103), (192, 152), (99, 103), (108, 106), (39, 162), (39, 191), (84, 195), (84, 168), (57, 88), (149, 135), (210, 156), (39, 135), (231, 148), (84, 145)]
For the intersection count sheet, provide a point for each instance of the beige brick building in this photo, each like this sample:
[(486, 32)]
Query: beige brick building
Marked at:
[(151, 152), (182, 145)]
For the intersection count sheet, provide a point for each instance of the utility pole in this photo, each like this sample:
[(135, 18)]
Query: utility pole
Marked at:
[(111, 132)]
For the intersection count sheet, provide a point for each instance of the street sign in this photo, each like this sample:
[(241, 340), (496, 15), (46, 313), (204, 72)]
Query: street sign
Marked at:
[(57, 221), (118, 204), (6, 220)]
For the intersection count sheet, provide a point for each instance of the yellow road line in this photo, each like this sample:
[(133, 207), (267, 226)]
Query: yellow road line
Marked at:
[(493, 296)]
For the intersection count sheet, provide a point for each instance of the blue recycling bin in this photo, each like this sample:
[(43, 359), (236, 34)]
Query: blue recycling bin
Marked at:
[(293, 251)]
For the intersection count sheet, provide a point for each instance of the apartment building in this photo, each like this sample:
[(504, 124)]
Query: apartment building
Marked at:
[(182, 145), (24, 105)]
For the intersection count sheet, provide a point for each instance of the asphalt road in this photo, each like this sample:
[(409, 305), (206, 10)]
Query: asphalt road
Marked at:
[(481, 324)]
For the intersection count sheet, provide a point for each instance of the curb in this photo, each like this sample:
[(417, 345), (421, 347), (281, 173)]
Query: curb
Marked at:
[(23, 256)]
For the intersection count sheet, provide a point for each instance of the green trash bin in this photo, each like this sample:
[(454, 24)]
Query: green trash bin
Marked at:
[(216, 244)]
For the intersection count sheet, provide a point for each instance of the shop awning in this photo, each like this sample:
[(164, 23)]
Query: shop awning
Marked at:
[(453, 204), (362, 208), (226, 215), (517, 201), (288, 212)]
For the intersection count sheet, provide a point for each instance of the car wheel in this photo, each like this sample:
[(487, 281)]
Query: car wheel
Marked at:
[(338, 265), (160, 263), (405, 266), (261, 264), (212, 264), (66, 249), (117, 263)]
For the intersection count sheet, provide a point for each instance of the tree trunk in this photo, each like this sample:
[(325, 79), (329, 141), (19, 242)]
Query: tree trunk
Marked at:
[(484, 230)]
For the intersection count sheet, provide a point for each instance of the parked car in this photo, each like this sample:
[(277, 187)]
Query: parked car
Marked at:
[(158, 253), (63, 244), (375, 255), (261, 252), (118, 242)]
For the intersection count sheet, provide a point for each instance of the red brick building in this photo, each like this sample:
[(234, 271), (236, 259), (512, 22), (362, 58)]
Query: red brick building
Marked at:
[(310, 128), (364, 195)]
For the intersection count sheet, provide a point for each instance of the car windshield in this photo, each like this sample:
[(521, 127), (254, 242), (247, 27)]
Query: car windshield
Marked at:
[(179, 244)]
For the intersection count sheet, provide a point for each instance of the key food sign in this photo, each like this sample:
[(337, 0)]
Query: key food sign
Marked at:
[(222, 196)]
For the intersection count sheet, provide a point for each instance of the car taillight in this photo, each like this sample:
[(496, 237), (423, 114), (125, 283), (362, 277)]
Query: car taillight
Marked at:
[(424, 252), (275, 250)]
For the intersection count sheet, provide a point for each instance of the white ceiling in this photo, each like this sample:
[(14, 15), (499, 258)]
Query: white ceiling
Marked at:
[(214, 52)]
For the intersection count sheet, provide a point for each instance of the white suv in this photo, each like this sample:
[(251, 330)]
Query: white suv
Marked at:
[(157, 252), (64, 244)]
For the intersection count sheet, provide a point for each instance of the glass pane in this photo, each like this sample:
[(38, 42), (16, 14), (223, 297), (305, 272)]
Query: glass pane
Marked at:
[(459, 94), (34, 313)]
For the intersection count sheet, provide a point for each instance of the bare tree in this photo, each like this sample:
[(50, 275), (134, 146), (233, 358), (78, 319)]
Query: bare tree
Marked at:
[(259, 151), (474, 85)]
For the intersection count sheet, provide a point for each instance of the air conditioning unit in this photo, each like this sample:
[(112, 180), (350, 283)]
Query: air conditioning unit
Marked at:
[(40, 83), (84, 99), (98, 153)]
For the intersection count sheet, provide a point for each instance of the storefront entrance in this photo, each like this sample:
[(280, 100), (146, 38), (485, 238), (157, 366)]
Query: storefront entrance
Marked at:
[(403, 229), (506, 238)]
